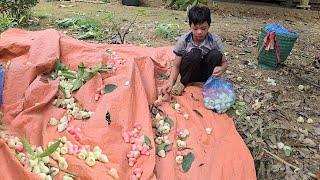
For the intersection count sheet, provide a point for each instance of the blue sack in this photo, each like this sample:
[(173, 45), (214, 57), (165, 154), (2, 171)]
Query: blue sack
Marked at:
[(1, 85), (279, 29), (219, 94)]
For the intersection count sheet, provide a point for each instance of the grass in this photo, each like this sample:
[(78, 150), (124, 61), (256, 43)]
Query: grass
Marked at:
[(99, 16)]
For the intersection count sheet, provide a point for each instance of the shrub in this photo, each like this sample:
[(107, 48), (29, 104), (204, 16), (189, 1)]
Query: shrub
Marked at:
[(17, 9), (168, 30)]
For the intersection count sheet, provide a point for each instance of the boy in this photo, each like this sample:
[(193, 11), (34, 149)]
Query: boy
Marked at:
[(198, 54)]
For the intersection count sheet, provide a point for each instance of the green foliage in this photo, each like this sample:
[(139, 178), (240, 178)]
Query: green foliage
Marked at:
[(109, 88), (185, 4), (147, 141), (17, 8), (79, 78), (169, 121), (27, 147), (187, 162), (87, 28), (6, 23), (50, 149), (168, 30)]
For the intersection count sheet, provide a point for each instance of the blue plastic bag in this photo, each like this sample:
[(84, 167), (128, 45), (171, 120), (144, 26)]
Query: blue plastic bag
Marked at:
[(277, 28), (219, 94)]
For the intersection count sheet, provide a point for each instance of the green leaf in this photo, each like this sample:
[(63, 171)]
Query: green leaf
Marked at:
[(147, 141), (27, 147), (287, 151), (141, 12), (87, 35), (58, 65), (187, 161), (63, 91), (169, 121), (160, 147), (98, 66), (109, 88), (80, 72), (87, 75), (69, 75), (168, 147), (50, 149), (76, 85), (67, 22)]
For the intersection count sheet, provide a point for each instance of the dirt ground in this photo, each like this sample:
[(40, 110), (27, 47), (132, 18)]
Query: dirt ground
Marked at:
[(266, 115)]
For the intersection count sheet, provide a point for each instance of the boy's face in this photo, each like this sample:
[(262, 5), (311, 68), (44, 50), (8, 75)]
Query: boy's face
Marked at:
[(199, 31)]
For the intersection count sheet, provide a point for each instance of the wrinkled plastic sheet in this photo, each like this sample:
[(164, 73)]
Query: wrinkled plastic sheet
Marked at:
[(28, 107)]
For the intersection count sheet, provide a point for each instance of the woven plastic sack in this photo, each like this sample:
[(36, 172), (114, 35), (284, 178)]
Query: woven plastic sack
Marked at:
[(219, 94)]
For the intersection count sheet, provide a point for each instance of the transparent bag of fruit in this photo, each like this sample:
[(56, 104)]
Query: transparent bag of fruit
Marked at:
[(219, 94)]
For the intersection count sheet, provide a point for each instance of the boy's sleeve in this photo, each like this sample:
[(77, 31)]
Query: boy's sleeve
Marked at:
[(179, 48), (219, 44)]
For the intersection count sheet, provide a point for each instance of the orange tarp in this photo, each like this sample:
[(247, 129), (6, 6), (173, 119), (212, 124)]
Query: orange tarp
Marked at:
[(28, 107)]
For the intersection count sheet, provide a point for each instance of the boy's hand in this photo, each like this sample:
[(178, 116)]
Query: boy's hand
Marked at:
[(218, 71)]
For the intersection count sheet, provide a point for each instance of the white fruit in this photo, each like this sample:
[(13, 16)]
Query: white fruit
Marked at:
[(208, 130), (113, 173), (179, 159)]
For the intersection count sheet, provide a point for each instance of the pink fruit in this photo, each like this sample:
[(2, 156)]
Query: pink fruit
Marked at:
[(83, 147), (130, 155), (179, 153), (71, 151), (132, 139), (139, 147), (139, 141), (68, 143), (136, 154), (138, 126), (96, 97), (147, 153), (131, 163), (102, 92), (19, 147), (75, 148), (138, 175), (78, 137), (87, 147), (77, 130), (146, 147), (126, 137), (137, 170), (184, 152), (133, 177), (71, 130), (130, 133), (134, 147)]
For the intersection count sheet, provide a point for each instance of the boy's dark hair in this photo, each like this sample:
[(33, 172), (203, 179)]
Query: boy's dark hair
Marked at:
[(198, 15)]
